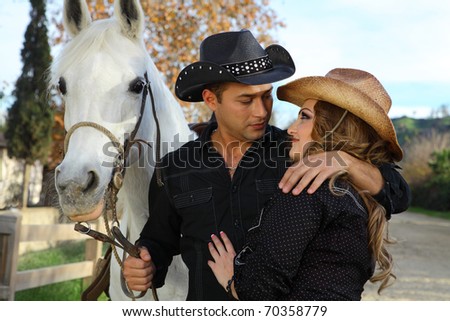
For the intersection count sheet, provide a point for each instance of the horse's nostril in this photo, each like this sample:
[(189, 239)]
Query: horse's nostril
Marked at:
[(92, 182)]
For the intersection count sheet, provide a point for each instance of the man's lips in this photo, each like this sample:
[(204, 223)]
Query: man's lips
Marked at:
[(258, 126)]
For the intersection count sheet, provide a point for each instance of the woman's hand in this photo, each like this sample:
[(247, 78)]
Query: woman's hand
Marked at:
[(223, 254)]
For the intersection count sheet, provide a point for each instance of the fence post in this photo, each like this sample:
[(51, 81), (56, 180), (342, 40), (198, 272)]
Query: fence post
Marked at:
[(10, 223)]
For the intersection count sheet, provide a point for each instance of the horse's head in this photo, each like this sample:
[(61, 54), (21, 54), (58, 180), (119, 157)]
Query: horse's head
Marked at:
[(100, 74)]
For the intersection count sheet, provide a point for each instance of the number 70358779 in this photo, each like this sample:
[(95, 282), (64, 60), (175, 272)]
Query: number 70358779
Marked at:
[(295, 310)]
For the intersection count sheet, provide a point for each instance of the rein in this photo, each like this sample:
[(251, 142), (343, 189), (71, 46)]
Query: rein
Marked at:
[(115, 236)]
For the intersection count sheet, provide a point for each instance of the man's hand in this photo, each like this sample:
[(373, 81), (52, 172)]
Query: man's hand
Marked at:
[(315, 169), (139, 272)]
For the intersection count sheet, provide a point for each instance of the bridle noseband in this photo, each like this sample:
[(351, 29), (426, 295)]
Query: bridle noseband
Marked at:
[(115, 237)]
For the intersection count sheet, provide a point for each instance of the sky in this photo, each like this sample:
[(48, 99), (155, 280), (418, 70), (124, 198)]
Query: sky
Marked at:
[(404, 43)]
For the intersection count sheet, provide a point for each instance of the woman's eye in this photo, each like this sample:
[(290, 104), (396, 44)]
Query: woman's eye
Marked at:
[(137, 86), (62, 86)]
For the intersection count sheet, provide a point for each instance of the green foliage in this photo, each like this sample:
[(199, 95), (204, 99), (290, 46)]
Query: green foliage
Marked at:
[(426, 145), (440, 165), (29, 131), (408, 129), (439, 214), (434, 194), (30, 120)]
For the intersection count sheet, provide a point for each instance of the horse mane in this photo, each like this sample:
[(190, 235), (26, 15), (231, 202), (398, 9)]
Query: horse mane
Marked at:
[(101, 35)]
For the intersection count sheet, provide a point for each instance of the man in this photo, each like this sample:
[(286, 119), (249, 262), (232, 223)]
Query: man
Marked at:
[(221, 181)]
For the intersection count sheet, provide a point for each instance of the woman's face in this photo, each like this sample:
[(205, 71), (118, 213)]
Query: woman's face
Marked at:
[(300, 131)]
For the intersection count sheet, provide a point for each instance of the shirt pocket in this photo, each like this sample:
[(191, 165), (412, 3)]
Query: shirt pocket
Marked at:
[(193, 198), (196, 209), (267, 186)]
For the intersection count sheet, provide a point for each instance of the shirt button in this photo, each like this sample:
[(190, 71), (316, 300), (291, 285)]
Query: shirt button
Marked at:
[(236, 223), (234, 189)]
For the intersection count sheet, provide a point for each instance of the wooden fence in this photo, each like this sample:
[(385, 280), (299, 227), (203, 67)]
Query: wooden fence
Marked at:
[(12, 232)]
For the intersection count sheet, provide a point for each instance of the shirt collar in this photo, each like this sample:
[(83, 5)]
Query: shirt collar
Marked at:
[(268, 137)]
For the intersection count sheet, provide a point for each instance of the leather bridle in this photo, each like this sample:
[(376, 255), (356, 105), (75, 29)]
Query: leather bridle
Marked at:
[(115, 236)]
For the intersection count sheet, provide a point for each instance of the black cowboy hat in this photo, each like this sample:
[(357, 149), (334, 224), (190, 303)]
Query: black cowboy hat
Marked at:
[(234, 56)]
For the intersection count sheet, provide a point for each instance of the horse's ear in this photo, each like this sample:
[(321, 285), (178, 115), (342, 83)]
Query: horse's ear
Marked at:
[(131, 17), (76, 16)]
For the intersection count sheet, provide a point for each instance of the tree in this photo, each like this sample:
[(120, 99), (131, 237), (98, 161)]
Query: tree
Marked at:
[(30, 119), (175, 29), (438, 187)]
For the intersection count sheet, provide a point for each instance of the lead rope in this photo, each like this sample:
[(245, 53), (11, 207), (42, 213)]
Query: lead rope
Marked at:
[(113, 190)]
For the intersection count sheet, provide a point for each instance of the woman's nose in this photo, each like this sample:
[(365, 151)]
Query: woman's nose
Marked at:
[(291, 130)]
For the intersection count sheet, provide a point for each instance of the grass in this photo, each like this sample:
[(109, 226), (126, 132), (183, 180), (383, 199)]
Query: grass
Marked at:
[(66, 252), (440, 214)]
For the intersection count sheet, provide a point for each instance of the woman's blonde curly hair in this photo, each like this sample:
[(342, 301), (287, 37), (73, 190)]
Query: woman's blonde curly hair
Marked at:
[(358, 139)]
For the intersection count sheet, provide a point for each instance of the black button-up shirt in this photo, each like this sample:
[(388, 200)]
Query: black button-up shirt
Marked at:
[(200, 198)]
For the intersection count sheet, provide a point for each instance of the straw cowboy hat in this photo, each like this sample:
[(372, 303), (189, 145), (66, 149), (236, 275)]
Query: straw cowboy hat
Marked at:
[(354, 90), (234, 56)]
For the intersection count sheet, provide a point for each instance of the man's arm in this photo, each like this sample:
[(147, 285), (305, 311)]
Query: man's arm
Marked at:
[(384, 183), (395, 196), (161, 233)]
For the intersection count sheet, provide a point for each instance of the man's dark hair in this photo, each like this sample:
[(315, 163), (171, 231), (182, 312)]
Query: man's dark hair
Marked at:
[(217, 89)]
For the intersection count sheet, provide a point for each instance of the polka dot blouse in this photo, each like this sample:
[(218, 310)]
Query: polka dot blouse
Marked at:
[(307, 247)]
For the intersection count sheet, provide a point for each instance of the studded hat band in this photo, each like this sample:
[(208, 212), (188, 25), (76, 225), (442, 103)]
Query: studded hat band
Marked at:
[(249, 67)]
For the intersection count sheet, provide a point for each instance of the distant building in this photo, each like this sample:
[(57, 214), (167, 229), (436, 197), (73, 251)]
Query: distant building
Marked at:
[(11, 179)]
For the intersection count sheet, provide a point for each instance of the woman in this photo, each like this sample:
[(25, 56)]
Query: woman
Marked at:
[(326, 245)]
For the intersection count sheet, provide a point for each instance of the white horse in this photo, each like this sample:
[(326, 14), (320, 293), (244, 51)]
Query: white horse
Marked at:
[(101, 74)]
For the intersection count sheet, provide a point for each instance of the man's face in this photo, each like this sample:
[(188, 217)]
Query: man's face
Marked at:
[(244, 111)]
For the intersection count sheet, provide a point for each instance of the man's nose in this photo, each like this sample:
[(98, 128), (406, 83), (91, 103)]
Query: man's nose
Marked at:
[(260, 109)]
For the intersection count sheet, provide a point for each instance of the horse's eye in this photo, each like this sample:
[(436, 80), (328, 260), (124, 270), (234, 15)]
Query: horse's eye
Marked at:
[(62, 86), (137, 86)]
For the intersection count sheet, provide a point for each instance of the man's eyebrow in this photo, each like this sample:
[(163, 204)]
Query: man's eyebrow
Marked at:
[(255, 94)]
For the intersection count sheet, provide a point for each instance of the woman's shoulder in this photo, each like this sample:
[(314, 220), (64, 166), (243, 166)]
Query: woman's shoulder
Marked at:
[(329, 196), (324, 205), (341, 195)]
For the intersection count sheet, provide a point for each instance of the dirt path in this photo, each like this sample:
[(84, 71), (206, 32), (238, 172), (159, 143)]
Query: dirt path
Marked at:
[(422, 260)]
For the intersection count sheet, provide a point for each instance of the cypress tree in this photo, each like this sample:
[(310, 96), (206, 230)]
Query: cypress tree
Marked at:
[(30, 119)]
